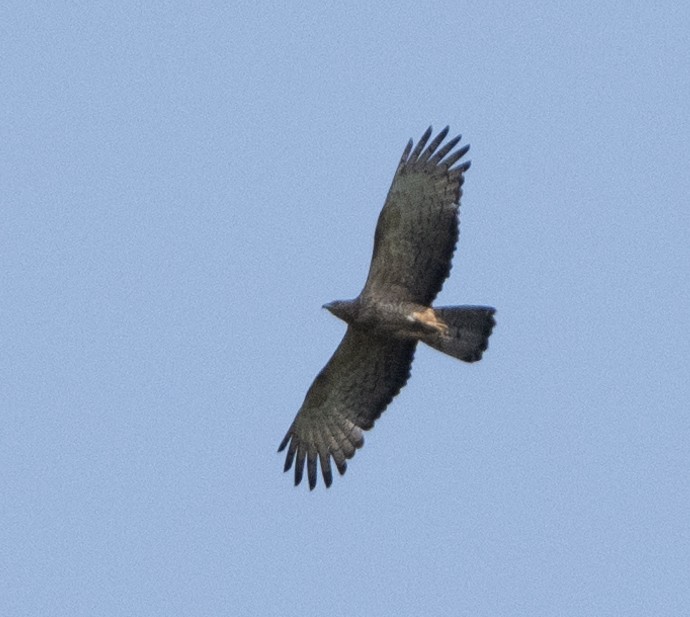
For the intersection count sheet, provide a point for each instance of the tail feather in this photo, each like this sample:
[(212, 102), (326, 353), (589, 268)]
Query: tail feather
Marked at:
[(469, 328)]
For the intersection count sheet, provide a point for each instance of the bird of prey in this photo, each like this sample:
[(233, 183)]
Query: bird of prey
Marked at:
[(414, 242)]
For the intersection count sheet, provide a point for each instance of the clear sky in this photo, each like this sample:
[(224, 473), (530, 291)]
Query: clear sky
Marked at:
[(183, 185)]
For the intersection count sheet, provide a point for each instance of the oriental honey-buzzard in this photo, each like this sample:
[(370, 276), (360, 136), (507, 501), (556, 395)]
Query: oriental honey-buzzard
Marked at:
[(414, 243)]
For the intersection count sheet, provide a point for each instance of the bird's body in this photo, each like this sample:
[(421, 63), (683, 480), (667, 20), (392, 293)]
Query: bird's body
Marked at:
[(403, 320), (413, 246)]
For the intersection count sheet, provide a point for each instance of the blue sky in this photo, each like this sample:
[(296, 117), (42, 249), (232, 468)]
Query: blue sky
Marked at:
[(182, 186)]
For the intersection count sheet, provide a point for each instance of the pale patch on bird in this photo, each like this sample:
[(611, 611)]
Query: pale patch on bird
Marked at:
[(428, 318)]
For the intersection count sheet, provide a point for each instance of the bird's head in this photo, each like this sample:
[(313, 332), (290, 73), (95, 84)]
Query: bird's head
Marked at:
[(343, 309)]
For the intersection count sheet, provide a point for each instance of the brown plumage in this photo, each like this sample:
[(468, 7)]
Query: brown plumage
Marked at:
[(414, 243)]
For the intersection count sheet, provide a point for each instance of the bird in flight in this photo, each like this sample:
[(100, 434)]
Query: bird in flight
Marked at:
[(414, 242)]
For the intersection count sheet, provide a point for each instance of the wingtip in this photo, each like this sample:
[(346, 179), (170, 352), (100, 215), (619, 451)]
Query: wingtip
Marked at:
[(419, 148), (284, 443), (456, 156), (288, 464), (435, 143), (425, 136), (406, 152), (299, 470)]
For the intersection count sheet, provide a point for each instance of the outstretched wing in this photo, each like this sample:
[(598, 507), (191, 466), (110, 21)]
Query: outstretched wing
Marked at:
[(418, 227), (347, 396)]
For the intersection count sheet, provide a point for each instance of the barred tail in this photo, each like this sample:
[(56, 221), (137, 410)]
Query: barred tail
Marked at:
[(469, 328)]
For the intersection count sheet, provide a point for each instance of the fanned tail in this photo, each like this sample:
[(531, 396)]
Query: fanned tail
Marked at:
[(469, 329)]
